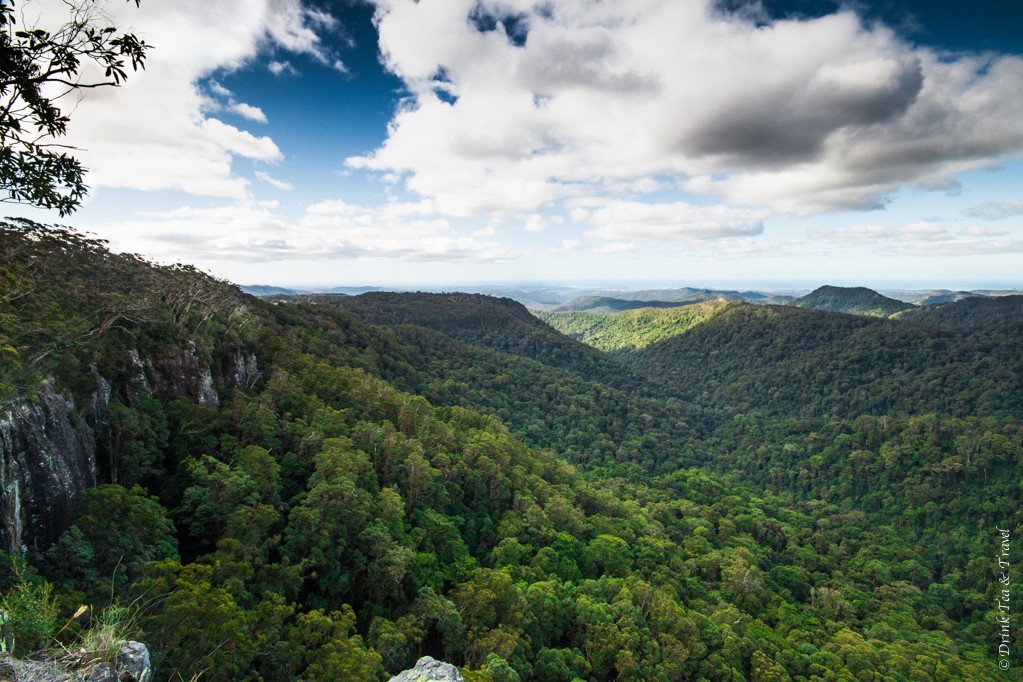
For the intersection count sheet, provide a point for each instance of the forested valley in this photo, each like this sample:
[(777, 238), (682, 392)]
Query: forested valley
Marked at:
[(328, 487)]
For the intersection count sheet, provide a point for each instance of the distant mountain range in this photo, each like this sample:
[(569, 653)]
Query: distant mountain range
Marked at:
[(554, 298)]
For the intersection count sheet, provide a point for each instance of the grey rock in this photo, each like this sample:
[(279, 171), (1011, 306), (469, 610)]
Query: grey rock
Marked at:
[(186, 375), (242, 370), (429, 670), (133, 662), (15, 670), (102, 672), (47, 460)]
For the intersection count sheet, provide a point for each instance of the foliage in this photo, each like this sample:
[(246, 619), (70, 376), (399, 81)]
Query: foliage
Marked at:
[(377, 494), (28, 612), (631, 330), (38, 68), (787, 361)]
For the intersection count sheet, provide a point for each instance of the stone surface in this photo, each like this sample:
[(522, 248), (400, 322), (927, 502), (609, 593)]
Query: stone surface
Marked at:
[(47, 460), (14, 670), (102, 672), (133, 662), (430, 670)]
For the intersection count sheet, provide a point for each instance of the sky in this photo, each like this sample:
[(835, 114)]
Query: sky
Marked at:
[(717, 143)]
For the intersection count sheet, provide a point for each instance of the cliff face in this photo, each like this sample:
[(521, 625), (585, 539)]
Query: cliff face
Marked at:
[(47, 459), (48, 444)]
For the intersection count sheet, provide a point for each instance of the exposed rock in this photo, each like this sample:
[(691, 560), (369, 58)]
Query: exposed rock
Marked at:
[(47, 460), (241, 370), (187, 376), (429, 670), (132, 666), (102, 672), (14, 670), (137, 371), (133, 663)]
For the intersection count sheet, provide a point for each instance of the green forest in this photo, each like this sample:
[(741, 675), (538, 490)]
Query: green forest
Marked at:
[(713, 492)]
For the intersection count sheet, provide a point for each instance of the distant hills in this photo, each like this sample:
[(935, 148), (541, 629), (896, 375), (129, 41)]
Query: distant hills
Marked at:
[(851, 300), (969, 312), (818, 363), (605, 305), (605, 301)]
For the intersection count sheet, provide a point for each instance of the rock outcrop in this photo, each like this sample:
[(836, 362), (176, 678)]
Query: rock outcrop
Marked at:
[(47, 459), (429, 670), (48, 442), (132, 665)]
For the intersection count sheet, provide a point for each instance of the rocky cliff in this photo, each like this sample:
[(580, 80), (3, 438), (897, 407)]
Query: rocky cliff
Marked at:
[(48, 442), (47, 458)]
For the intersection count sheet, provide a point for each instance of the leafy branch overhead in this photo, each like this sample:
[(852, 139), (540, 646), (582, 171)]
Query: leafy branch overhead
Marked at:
[(39, 68)]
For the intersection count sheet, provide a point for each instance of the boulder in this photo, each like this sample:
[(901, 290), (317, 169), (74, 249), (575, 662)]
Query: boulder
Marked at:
[(429, 670)]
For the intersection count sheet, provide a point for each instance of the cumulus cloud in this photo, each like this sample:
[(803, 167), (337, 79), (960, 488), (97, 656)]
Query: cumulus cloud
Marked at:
[(617, 220), (256, 232), (159, 130), (535, 223), (516, 105), (248, 111)]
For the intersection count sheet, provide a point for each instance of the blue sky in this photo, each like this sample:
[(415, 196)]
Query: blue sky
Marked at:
[(445, 142)]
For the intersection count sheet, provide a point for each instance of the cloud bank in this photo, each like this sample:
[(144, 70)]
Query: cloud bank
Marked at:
[(517, 105), (257, 232)]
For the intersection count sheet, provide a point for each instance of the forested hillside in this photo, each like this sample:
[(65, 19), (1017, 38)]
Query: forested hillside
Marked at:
[(852, 300), (286, 491), (632, 330), (971, 312), (786, 361)]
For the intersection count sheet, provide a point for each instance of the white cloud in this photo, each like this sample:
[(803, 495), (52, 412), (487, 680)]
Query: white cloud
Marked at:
[(996, 210), (240, 142), (535, 223), (800, 115), (274, 182), (979, 231), (156, 132), (616, 220), (248, 111), (281, 68), (853, 233), (255, 232), (488, 231)]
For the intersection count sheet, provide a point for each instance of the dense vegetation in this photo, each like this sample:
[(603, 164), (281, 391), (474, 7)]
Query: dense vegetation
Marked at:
[(631, 330), (786, 361), (969, 312), (468, 484)]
